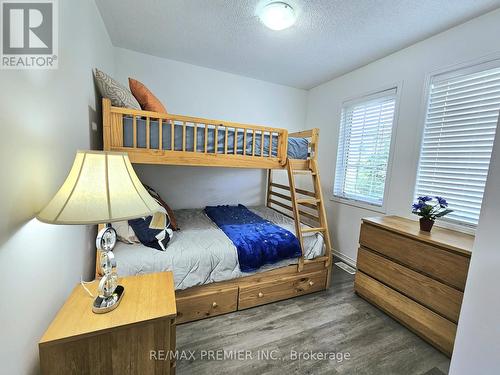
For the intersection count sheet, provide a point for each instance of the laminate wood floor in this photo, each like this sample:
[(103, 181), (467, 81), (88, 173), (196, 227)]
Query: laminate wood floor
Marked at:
[(332, 321)]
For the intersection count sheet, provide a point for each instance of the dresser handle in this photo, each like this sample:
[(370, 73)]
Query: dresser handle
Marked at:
[(214, 304), (311, 283), (261, 294)]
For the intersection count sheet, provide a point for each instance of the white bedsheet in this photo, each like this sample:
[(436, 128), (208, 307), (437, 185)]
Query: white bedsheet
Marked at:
[(200, 253)]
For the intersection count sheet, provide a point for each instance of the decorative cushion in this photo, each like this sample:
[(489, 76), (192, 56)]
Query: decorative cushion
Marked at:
[(155, 238), (124, 232), (119, 95), (146, 99), (161, 202)]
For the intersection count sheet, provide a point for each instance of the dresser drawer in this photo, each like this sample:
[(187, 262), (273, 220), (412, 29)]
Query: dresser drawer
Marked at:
[(444, 265), (432, 327), (214, 302), (431, 293), (287, 287)]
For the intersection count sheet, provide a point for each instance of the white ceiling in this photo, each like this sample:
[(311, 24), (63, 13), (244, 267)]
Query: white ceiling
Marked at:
[(330, 37)]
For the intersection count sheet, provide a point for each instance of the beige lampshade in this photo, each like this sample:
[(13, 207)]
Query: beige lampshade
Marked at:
[(101, 187)]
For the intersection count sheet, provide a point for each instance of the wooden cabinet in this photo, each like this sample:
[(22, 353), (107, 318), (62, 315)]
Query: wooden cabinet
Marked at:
[(416, 277), (119, 342)]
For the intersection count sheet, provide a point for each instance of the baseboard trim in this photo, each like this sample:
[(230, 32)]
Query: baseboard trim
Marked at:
[(344, 258)]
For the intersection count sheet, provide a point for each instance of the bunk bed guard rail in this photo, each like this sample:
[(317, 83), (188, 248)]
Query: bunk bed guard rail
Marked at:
[(155, 138)]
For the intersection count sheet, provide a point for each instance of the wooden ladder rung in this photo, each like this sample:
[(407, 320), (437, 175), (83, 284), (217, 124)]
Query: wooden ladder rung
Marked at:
[(303, 171), (309, 230), (308, 200)]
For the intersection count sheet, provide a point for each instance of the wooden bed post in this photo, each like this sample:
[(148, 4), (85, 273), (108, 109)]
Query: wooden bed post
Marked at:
[(314, 143), (98, 271), (106, 124), (269, 182), (283, 148)]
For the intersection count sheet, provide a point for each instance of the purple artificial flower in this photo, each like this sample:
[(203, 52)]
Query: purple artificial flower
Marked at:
[(417, 206), (424, 198), (442, 202)]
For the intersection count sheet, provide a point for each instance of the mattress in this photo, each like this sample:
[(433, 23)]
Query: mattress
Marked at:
[(200, 253), (298, 148)]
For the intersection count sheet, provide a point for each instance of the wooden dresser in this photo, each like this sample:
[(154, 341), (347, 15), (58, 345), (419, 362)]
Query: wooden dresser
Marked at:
[(416, 277)]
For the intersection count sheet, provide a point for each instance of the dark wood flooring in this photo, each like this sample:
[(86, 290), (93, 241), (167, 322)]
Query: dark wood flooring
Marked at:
[(332, 321)]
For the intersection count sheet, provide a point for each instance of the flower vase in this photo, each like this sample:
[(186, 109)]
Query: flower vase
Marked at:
[(426, 224)]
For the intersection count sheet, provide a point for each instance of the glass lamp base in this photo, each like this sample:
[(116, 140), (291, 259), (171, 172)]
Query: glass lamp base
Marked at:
[(103, 305)]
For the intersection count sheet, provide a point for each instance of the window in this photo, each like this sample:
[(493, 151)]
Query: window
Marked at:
[(460, 126), (364, 148)]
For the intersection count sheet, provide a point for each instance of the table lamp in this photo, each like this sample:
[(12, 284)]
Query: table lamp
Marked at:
[(102, 187)]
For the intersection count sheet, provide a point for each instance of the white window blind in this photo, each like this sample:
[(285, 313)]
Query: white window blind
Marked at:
[(460, 126), (364, 148)]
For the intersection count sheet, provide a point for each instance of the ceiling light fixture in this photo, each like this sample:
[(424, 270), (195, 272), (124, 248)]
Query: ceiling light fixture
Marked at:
[(277, 15)]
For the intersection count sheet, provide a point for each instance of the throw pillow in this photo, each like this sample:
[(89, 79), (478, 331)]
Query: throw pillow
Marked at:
[(155, 238), (119, 95), (124, 232), (145, 97)]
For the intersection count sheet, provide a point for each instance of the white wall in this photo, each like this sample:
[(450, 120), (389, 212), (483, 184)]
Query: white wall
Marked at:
[(45, 116), (195, 91), (477, 345), (464, 43)]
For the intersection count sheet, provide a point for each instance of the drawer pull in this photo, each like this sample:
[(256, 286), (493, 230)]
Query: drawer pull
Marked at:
[(261, 294), (214, 304), (311, 283)]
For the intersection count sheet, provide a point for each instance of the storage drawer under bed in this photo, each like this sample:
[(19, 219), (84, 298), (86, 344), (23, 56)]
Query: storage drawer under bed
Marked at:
[(279, 289), (214, 302)]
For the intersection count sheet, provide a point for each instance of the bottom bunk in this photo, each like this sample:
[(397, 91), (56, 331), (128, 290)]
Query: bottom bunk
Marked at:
[(207, 274)]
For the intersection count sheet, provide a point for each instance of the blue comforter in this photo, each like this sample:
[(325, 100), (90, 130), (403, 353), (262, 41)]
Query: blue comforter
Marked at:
[(258, 241)]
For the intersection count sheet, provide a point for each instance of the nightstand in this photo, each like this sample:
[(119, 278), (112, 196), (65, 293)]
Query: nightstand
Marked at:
[(123, 341)]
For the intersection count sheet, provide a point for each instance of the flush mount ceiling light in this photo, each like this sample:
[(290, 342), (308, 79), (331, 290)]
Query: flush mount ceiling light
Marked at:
[(277, 15)]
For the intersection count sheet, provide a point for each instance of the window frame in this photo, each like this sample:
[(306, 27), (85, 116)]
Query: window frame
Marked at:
[(449, 72), (358, 203)]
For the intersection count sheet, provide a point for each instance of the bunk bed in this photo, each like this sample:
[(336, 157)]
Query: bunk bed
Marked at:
[(155, 138)]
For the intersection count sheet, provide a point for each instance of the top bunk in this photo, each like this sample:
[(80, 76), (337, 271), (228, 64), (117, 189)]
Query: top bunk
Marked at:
[(157, 138)]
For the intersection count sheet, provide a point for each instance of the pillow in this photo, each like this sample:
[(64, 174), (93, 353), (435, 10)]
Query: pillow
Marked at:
[(155, 238), (124, 232), (146, 99), (161, 202), (119, 95)]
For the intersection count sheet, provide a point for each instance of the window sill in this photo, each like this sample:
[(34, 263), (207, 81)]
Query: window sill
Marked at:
[(463, 228), (359, 204)]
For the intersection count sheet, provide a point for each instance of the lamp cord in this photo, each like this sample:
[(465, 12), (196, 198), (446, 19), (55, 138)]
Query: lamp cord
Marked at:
[(84, 287)]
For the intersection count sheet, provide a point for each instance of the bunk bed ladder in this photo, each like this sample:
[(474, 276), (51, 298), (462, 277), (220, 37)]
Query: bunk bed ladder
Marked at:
[(315, 201), (296, 213)]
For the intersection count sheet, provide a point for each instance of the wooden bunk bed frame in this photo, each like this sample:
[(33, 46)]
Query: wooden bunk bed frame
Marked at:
[(303, 206)]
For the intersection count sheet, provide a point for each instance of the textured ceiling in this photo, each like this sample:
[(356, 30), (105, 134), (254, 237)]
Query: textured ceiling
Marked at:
[(330, 37)]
